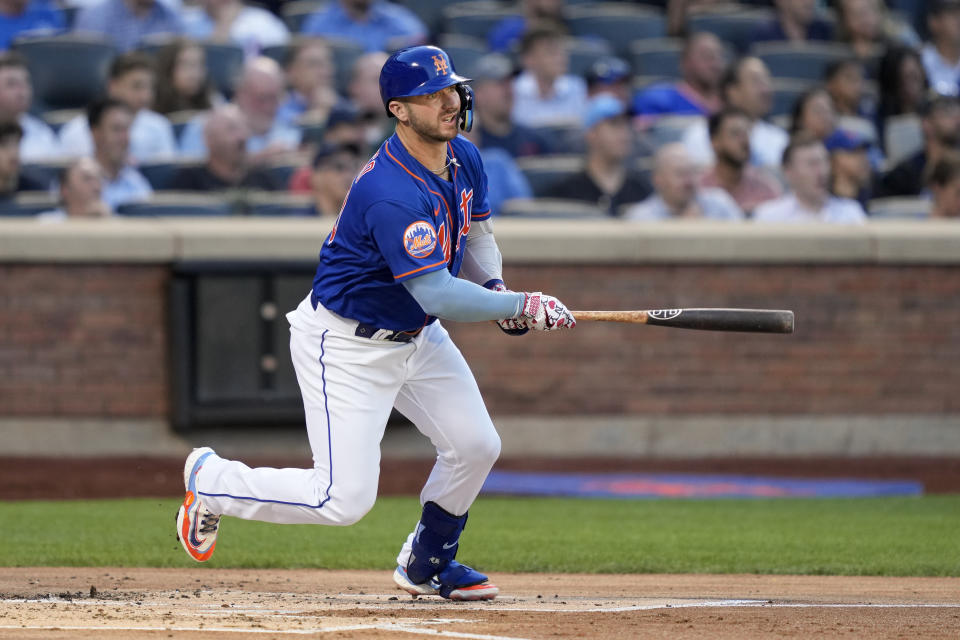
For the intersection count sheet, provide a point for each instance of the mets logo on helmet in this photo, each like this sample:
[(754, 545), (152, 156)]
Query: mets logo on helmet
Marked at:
[(420, 239), (440, 63)]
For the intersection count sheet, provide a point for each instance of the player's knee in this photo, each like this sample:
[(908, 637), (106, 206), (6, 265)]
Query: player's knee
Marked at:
[(353, 505), (483, 452)]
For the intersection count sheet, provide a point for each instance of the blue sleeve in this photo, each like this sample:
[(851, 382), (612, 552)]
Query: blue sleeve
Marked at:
[(443, 296), (407, 238)]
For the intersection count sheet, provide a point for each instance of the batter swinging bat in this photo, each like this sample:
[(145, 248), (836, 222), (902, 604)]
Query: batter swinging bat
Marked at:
[(752, 320)]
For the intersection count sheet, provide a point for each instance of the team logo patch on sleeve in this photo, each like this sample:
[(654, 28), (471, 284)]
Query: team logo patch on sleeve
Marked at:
[(420, 239)]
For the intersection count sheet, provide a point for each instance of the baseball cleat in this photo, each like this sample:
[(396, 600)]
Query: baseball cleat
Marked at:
[(196, 526), (467, 584)]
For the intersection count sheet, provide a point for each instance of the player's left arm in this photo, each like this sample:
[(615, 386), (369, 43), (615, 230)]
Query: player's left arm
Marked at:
[(483, 264)]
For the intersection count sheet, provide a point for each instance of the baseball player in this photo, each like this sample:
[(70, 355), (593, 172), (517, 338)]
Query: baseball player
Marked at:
[(368, 339)]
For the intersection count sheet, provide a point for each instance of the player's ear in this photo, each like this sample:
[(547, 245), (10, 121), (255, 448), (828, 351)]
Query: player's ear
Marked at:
[(399, 111)]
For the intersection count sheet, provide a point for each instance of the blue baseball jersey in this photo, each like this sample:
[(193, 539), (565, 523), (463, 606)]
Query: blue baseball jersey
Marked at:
[(399, 221)]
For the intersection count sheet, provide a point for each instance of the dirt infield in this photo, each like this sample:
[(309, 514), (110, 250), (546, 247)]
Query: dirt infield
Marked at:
[(138, 604)]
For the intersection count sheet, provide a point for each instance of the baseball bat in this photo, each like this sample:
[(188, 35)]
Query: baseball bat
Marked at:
[(751, 320)]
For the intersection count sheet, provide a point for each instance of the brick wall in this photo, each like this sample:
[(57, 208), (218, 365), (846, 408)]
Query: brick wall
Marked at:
[(80, 340), (869, 339), (91, 341)]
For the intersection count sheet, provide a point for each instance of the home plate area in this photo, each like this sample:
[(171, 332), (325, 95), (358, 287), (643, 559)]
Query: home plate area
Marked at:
[(218, 603)]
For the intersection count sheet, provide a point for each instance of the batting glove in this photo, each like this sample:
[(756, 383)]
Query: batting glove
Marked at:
[(545, 313), (510, 326)]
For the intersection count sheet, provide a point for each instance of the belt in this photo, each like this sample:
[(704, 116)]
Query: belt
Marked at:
[(375, 333)]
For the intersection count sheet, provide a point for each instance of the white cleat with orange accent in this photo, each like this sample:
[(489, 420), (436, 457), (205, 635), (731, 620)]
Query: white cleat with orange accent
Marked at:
[(196, 526)]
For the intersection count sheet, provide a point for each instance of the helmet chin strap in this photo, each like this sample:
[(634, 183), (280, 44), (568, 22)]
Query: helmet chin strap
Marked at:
[(465, 119)]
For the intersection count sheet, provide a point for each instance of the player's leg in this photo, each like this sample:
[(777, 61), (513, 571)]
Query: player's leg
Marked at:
[(442, 399)]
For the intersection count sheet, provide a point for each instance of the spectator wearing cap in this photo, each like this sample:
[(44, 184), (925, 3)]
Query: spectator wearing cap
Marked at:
[(806, 166), (493, 104), (702, 65), (333, 170), (677, 194), (941, 134), (850, 173), (376, 25), (941, 55), (126, 23), (505, 35), (544, 93), (227, 165), (12, 180), (229, 21), (81, 193), (606, 179), (132, 80), (38, 142), (612, 75), (797, 21), (109, 120), (747, 184), (945, 187), (746, 86), (28, 18), (310, 76)]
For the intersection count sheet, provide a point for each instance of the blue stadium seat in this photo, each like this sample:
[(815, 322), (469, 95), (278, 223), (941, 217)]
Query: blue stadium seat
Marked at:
[(585, 51), (177, 203), (277, 52), (618, 23), (27, 205), (345, 53), (224, 65), (807, 61), (899, 208), (656, 57), (430, 11), (463, 50), (279, 204), (786, 92), (734, 26), (294, 14), (160, 175), (551, 208), (67, 71), (545, 172), (474, 18)]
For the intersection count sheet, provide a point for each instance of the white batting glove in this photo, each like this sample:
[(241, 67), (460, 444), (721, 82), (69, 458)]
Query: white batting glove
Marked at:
[(510, 326), (545, 313)]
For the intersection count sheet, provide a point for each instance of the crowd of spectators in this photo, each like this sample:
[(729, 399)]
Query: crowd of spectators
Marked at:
[(709, 139)]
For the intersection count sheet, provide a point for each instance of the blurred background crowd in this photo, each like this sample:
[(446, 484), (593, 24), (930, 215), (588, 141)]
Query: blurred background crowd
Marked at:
[(764, 110)]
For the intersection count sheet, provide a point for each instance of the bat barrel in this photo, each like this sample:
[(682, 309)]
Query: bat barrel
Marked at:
[(751, 320)]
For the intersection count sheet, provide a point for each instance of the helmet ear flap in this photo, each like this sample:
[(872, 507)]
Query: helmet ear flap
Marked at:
[(465, 119)]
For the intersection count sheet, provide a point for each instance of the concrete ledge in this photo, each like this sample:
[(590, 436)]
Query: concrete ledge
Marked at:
[(528, 241)]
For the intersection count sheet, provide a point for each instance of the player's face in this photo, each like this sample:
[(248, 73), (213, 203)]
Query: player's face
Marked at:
[(434, 116)]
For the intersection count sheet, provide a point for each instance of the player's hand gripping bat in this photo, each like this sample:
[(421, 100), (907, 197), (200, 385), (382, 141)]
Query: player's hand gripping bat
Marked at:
[(752, 320)]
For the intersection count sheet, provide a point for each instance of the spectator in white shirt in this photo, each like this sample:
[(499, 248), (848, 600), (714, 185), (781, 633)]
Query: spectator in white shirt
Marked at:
[(745, 86), (131, 80), (258, 94), (941, 56), (39, 142), (223, 21), (677, 193), (81, 193), (110, 121), (806, 166), (544, 93)]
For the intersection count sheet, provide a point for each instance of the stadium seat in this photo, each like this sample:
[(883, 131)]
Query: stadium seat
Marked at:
[(902, 137), (544, 172), (584, 52), (786, 91), (47, 173), (464, 51), (68, 71), (475, 18), (551, 208), (568, 137), (807, 61), (160, 175), (658, 56), (295, 13), (224, 65), (27, 205), (279, 204), (277, 52), (345, 53), (429, 11), (732, 24), (899, 208), (179, 203), (618, 23)]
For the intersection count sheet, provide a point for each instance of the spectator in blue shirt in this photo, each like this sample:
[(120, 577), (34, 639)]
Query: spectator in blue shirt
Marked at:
[(797, 21), (506, 34), (703, 63), (127, 22), (109, 120), (375, 25), (28, 17)]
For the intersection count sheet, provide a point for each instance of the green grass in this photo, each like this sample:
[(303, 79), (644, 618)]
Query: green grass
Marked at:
[(877, 536)]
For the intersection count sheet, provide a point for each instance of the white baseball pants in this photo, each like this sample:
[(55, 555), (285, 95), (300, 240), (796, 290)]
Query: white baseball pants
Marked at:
[(349, 385)]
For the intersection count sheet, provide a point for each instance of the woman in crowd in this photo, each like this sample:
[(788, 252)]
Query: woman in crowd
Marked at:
[(182, 81)]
